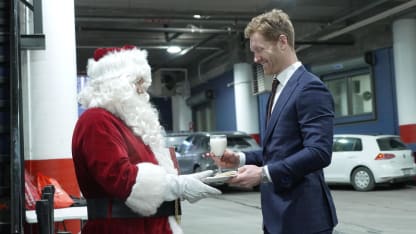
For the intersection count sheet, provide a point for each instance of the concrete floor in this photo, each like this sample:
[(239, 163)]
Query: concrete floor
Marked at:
[(383, 211)]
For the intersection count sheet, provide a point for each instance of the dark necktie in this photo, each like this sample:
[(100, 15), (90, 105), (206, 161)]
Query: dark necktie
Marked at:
[(271, 98)]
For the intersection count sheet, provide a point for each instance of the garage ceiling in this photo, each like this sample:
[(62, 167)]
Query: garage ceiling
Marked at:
[(156, 24)]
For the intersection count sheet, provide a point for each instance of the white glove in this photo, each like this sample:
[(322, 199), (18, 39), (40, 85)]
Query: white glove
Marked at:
[(189, 187)]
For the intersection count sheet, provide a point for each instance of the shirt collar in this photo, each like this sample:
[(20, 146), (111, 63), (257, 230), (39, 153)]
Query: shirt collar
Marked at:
[(284, 76)]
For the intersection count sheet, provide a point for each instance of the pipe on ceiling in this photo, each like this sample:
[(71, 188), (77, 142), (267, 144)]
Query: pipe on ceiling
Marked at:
[(365, 22), (370, 20), (169, 30), (345, 17), (189, 49), (359, 11), (148, 47), (206, 59), (135, 20)]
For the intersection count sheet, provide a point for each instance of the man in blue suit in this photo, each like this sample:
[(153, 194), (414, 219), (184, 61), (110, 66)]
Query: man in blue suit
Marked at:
[(297, 143)]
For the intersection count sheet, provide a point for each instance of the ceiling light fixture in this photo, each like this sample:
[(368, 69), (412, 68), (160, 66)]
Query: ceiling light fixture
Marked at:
[(174, 49), (197, 16)]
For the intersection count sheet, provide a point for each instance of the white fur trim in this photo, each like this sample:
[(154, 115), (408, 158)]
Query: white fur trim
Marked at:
[(163, 158), (148, 192), (130, 62), (174, 226)]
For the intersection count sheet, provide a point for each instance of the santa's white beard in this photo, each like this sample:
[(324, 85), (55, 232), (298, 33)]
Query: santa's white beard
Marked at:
[(139, 114), (122, 99)]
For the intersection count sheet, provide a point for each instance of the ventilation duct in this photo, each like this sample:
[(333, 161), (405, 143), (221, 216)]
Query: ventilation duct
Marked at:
[(261, 83), (200, 98), (345, 65)]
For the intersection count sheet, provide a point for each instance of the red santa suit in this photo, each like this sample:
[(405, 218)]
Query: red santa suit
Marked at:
[(123, 169), (105, 154)]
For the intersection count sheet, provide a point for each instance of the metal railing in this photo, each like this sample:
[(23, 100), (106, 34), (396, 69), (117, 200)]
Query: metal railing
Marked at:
[(16, 131), (30, 14), (19, 41)]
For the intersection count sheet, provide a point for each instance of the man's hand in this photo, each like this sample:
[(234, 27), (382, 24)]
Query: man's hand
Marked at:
[(229, 159), (248, 176)]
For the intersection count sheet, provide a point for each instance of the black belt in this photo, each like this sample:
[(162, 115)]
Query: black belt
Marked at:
[(99, 208)]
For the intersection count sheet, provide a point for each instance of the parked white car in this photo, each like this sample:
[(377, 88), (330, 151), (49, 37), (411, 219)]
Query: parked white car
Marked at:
[(366, 160)]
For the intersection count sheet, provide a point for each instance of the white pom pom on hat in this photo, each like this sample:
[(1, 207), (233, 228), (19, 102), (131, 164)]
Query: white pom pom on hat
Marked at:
[(109, 63)]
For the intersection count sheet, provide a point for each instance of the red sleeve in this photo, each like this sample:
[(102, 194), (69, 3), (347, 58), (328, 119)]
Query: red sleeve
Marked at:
[(105, 155)]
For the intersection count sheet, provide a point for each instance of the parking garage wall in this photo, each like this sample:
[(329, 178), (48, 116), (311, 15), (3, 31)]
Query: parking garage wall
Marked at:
[(384, 119), (223, 104)]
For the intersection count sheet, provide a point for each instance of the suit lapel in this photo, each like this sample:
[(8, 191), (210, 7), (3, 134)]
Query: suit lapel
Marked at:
[(287, 91)]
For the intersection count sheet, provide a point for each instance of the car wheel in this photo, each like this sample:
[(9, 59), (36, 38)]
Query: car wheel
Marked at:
[(362, 179)]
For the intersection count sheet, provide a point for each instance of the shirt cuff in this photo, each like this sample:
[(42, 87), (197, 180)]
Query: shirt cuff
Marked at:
[(242, 158), (266, 170)]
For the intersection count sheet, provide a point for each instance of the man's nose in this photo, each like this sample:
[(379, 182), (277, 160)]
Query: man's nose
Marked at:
[(256, 59)]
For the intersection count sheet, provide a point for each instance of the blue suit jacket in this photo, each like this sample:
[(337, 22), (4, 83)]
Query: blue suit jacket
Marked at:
[(296, 146)]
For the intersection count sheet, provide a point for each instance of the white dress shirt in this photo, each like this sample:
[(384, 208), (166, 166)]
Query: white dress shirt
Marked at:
[(283, 78)]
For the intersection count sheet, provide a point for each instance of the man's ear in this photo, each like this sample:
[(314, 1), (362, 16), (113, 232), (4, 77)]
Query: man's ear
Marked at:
[(282, 42)]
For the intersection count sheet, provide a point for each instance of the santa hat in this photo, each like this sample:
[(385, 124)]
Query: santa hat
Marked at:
[(110, 63)]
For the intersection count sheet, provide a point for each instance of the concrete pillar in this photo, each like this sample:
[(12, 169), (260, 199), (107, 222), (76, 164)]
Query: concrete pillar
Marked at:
[(246, 106), (181, 114), (50, 106), (404, 46)]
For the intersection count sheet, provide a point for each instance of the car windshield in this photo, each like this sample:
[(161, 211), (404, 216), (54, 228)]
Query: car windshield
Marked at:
[(174, 140), (347, 144), (391, 143), (239, 142), (194, 143)]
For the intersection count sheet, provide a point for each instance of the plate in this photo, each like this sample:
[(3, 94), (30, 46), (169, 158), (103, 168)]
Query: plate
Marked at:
[(220, 178)]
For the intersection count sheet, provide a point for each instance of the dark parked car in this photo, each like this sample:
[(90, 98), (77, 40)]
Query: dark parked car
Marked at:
[(175, 139), (192, 149)]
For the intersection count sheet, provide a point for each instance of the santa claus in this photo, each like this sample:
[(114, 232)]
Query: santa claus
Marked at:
[(122, 166)]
